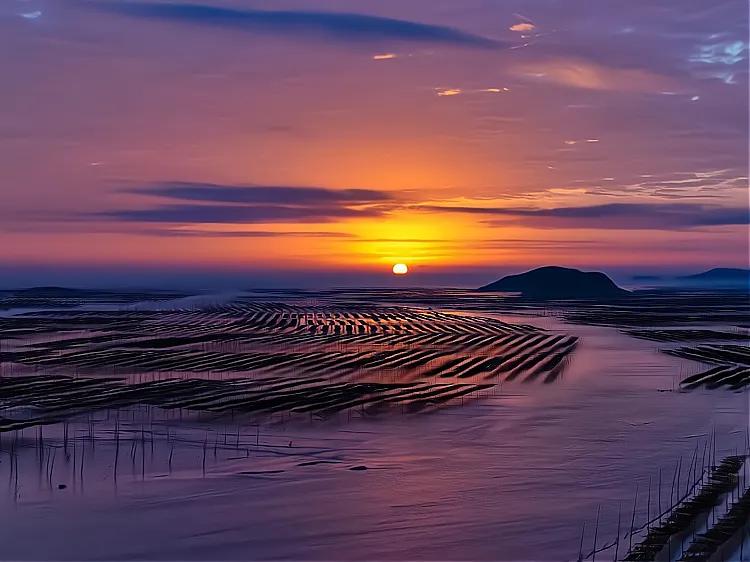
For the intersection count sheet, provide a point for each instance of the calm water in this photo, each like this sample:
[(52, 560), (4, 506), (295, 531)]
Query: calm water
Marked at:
[(513, 476)]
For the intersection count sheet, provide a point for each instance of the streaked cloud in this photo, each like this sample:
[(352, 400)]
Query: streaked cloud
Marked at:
[(203, 233), (238, 214), (617, 216), (590, 75), (310, 24), (727, 53), (228, 204), (384, 56), (286, 195)]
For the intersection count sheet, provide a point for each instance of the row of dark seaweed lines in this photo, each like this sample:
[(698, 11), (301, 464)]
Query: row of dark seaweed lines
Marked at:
[(280, 339), (506, 354), (706, 485), (732, 365)]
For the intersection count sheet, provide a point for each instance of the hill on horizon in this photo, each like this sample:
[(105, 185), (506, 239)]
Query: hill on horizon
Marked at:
[(720, 273), (49, 291), (554, 282), (715, 278)]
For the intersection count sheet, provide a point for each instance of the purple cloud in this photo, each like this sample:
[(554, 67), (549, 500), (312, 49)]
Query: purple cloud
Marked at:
[(618, 216), (340, 26), (261, 194)]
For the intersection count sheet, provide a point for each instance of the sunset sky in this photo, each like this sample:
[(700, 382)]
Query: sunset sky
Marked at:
[(320, 142)]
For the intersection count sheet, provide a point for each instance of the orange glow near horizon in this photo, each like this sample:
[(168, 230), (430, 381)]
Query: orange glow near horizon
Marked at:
[(432, 242), (368, 151)]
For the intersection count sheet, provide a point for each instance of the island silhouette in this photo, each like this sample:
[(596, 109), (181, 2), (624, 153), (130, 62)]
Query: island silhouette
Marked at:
[(720, 277), (716, 279), (554, 282)]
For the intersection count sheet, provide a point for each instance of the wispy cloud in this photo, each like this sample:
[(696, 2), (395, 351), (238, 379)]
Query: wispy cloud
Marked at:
[(287, 195), (590, 75), (229, 204), (618, 216), (229, 214), (333, 25), (727, 53), (201, 233)]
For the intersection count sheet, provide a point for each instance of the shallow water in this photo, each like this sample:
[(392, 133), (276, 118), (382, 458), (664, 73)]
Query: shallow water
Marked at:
[(513, 476)]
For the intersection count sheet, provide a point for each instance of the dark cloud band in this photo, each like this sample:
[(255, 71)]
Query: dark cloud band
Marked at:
[(216, 193), (332, 25), (195, 203), (230, 214), (617, 216)]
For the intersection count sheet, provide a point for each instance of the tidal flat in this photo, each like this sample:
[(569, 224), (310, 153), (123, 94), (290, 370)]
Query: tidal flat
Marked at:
[(359, 425)]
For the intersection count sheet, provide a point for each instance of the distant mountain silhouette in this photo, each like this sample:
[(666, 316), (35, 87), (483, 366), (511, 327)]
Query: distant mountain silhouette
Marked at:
[(554, 282), (50, 292), (720, 277)]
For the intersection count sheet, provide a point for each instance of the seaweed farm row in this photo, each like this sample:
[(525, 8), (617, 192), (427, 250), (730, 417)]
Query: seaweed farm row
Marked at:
[(288, 357), (732, 368), (727, 527), (736, 354), (655, 309), (731, 361), (637, 310), (58, 297), (712, 328), (688, 335), (48, 399), (526, 356), (720, 480), (704, 519)]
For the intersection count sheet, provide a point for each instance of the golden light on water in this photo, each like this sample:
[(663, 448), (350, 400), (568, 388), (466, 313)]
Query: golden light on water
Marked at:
[(400, 269)]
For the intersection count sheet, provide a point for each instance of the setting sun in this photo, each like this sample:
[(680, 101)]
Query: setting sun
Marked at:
[(400, 269), (560, 195)]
